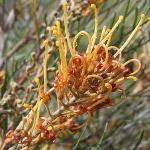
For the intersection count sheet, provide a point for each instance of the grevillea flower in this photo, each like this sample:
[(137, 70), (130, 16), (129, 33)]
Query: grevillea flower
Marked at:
[(83, 84)]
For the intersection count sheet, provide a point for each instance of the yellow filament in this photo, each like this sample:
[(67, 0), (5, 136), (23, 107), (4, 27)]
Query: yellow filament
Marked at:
[(69, 113), (109, 87), (131, 36), (109, 39), (72, 51), (102, 34), (36, 119), (138, 67), (58, 103), (62, 53), (113, 47), (59, 67), (54, 30), (65, 46), (37, 81), (57, 43), (133, 78), (54, 27), (31, 114), (93, 6), (119, 81), (27, 105), (106, 58), (113, 29), (88, 50), (117, 49), (39, 103), (45, 64)]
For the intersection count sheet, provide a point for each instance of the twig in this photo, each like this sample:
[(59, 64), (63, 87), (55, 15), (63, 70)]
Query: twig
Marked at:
[(36, 26), (20, 44)]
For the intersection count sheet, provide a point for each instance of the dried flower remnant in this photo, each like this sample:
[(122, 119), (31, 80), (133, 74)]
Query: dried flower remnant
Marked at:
[(82, 7), (2, 77), (82, 85)]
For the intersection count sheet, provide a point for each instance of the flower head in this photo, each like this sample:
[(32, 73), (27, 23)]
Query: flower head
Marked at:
[(83, 83), (96, 72)]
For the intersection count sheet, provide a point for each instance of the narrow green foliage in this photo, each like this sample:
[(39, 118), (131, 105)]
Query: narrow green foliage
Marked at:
[(98, 147), (139, 140), (79, 139)]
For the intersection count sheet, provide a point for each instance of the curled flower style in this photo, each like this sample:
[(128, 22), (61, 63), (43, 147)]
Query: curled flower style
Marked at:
[(83, 84)]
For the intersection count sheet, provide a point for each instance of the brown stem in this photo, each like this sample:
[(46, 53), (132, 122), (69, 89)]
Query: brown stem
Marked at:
[(20, 44)]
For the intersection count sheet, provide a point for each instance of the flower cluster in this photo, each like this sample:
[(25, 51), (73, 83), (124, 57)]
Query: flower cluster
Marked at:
[(83, 84)]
